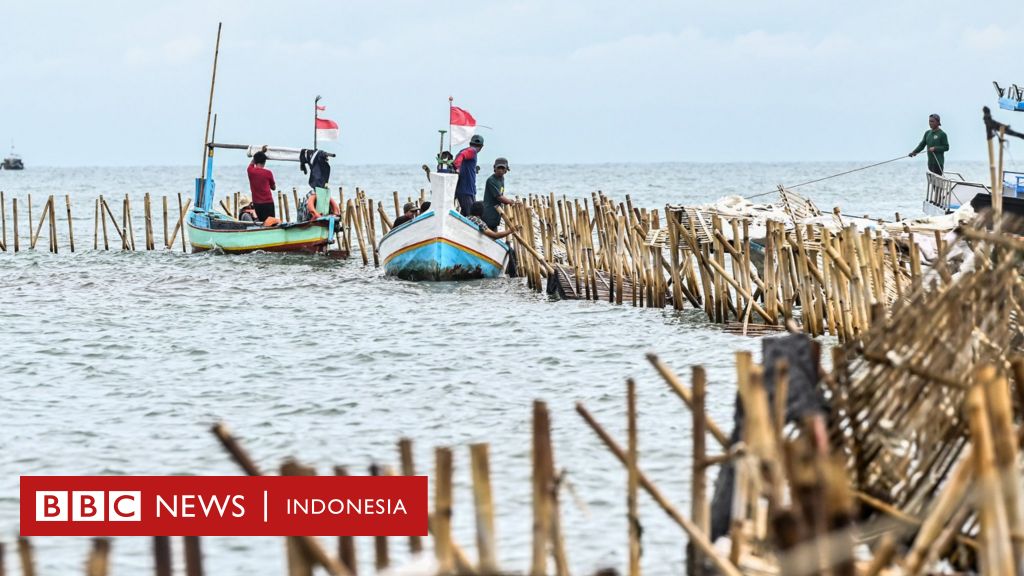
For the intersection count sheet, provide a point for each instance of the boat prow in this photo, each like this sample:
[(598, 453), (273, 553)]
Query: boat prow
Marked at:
[(442, 244)]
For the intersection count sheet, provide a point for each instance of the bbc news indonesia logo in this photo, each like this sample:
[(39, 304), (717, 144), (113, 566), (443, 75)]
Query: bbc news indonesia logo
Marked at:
[(223, 506)]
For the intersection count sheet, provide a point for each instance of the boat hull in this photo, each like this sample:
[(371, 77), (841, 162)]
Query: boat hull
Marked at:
[(442, 244), (307, 238)]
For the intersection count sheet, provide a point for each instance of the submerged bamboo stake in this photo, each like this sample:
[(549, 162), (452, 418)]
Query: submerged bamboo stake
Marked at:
[(103, 220), (128, 220), (697, 537), (181, 219), (166, 243), (29, 202), (34, 236), (14, 216), (484, 507), (3, 221), (53, 224), (356, 215)]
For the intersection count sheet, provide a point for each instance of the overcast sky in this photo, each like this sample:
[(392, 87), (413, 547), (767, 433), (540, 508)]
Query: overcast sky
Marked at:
[(126, 83)]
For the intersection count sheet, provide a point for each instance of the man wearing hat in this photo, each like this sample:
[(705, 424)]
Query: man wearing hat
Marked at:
[(494, 194), (409, 212), (465, 165), (936, 142)]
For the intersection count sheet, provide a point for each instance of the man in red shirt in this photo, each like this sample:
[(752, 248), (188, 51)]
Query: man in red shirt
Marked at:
[(261, 184)]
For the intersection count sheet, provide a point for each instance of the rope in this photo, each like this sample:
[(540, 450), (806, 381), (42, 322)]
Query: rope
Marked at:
[(902, 156)]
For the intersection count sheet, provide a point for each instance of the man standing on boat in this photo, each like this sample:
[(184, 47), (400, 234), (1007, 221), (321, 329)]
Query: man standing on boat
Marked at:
[(261, 184), (936, 142), (494, 194), (465, 165)]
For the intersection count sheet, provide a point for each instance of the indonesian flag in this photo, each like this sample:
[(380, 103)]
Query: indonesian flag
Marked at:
[(320, 108), (326, 129), (463, 126)]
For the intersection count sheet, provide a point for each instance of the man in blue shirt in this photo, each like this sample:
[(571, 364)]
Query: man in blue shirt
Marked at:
[(465, 165)]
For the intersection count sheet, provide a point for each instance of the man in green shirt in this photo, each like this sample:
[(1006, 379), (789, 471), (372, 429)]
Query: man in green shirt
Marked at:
[(936, 142), (494, 194)]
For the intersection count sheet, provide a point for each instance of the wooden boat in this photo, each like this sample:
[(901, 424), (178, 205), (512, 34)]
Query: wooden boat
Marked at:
[(1010, 98), (441, 244), (209, 229), (948, 192)]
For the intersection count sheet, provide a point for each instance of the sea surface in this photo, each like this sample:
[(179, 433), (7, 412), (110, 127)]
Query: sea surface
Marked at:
[(118, 363)]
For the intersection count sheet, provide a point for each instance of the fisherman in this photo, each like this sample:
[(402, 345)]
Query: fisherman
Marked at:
[(246, 211), (261, 184), (494, 193), (410, 212), (465, 165), (936, 142), (307, 210), (476, 210)]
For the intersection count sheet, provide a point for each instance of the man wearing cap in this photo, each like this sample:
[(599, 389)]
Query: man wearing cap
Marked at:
[(261, 184), (494, 193), (465, 165), (936, 142), (409, 213)]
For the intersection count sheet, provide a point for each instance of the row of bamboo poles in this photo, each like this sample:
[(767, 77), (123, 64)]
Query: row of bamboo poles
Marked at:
[(114, 221), (600, 250)]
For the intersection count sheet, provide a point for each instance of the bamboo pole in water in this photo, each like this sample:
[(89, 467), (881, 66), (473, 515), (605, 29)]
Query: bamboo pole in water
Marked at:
[(346, 544), (34, 235), (99, 558), (484, 508), (14, 216), (128, 220), (394, 196), (193, 556), (697, 537), (28, 565), (53, 224), (409, 469), (541, 483), (71, 230), (96, 225), (32, 244), (103, 221), (166, 243), (443, 511), (181, 221), (148, 213), (356, 216), (162, 555), (633, 517), (3, 219)]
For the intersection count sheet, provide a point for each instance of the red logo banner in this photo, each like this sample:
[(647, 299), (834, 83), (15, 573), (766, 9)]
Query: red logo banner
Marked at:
[(223, 505)]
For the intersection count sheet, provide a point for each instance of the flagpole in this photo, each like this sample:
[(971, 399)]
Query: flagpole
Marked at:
[(450, 100), (316, 114)]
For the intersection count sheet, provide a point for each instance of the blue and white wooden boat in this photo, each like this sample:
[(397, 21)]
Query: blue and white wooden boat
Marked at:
[(441, 244), (1011, 98)]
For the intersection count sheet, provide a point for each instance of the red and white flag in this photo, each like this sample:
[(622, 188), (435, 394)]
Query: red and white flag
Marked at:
[(463, 126), (326, 129), (320, 108)]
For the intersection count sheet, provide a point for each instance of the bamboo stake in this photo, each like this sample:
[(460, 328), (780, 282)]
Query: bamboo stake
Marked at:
[(181, 219), (409, 469), (128, 220), (443, 511), (34, 236), (697, 537), (14, 216), (53, 225), (394, 196), (103, 221), (148, 218), (3, 220), (541, 484), (162, 555), (996, 555), (33, 245), (484, 507), (346, 544), (633, 517), (381, 558), (99, 558), (193, 556), (295, 196), (357, 218), (680, 389), (699, 510), (166, 243), (28, 565)]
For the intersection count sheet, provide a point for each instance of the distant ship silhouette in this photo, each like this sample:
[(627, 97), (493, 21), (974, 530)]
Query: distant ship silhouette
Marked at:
[(13, 161)]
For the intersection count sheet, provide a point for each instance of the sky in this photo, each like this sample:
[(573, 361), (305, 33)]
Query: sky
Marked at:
[(573, 81)]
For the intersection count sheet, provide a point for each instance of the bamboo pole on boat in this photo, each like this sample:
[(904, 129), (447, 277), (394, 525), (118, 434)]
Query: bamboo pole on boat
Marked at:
[(280, 206), (98, 563), (193, 556), (443, 511), (295, 196), (484, 508), (162, 555), (633, 518), (697, 537)]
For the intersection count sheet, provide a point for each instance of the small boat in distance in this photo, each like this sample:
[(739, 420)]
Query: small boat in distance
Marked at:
[(442, 244), (13, 161), (1010, 98)]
